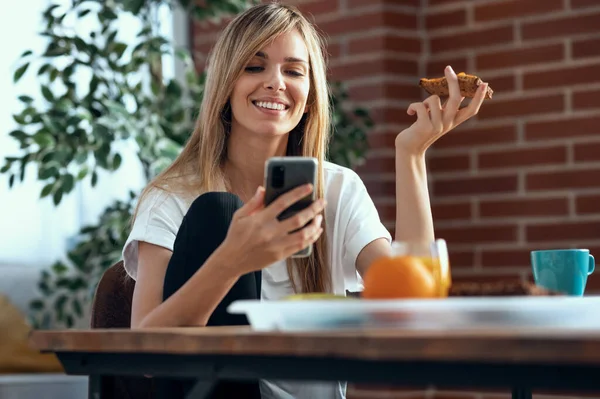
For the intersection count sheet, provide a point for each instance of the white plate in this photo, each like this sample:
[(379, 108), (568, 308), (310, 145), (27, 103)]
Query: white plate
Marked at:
[(449, 313)]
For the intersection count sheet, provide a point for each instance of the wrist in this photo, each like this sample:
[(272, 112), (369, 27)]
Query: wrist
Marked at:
[(223, 261)]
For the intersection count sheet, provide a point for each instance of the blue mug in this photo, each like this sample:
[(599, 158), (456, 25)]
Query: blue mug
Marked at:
[(562, 270)]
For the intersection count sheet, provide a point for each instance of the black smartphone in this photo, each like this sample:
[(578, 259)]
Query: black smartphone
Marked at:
[(283, 174)]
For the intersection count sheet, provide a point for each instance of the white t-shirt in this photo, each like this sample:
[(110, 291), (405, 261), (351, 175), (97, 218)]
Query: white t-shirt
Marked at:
[(352, 222)]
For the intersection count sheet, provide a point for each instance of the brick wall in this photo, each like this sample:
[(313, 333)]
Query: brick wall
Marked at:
[(525, 173)]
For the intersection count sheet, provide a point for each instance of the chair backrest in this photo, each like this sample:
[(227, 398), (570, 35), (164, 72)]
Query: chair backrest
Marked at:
[(111, 308)]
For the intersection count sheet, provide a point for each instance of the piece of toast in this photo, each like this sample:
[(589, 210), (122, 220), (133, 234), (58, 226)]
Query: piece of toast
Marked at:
[(468, 86)]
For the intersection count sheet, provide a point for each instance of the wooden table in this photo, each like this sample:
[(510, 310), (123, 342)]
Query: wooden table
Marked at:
[(515, 359)]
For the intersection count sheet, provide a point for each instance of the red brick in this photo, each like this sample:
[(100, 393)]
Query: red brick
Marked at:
[(562, 77), (515, 8), (485, 277), (444, 2), (362, 3), (478, 136), (382, 139), (395, 115), (585, 204), (586, 99), (477, 234), (585, 152), (374, 66), (563, 180), (448, 163), (563, 231), (452, 211), (584, 3), (378, 164), (522, 157), (475, 185), (472, 39), (318, 7), (369, 391), (334, 50), (524, 207), (460, 259), (520, 56), (453, 395), (567, 128), (380, 188), (586, 48), (561, 27), (446, 19), (502, 84), (372, 20), (523, 106), (384, 90), (436, 68), (385, 42), (518, 257)]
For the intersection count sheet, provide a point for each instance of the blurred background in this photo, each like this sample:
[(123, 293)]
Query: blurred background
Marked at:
[(524, 174)]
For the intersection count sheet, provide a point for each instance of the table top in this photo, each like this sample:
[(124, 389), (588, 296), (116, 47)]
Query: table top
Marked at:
[(512, 345)]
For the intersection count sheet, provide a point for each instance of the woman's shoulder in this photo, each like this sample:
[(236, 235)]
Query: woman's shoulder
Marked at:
[(333, 171), (157, 200)]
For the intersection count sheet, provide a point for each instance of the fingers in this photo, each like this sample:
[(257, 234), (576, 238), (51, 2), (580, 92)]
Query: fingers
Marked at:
[(454, 98), (305, 237), (473, 108), (286, 200), (300, 219), (419, 109), (255, 204), (434, 104)]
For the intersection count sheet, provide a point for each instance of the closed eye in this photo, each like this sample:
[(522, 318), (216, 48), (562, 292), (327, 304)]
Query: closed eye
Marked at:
[(254, 69), (295, 73)]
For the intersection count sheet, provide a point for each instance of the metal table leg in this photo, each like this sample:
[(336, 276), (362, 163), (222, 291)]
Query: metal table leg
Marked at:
[(521, 393)]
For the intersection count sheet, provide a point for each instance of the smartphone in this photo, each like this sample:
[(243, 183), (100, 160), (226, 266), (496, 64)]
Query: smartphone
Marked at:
[(283, 174)]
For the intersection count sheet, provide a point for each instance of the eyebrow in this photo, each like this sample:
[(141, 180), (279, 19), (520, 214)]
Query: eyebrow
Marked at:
[(260, 54)]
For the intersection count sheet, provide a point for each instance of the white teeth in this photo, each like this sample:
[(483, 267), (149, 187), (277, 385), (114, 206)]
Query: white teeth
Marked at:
[(269, 105)]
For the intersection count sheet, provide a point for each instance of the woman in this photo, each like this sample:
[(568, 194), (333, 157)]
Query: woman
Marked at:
[(202, 237)]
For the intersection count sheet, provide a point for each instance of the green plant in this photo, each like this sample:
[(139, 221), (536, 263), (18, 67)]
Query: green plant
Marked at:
[(76, 131)]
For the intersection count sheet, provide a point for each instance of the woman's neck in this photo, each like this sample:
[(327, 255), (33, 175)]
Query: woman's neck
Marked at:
[(246, 157)]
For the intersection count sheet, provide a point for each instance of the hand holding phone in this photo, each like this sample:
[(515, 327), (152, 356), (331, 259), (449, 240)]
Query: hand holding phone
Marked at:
[(283, 174)]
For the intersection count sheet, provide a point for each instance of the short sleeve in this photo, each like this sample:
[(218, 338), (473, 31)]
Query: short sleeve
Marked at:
[(363, 226), (157, 222)]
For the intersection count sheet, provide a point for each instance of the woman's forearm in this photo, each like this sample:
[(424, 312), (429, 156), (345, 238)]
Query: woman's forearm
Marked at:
[(414, 221), (195, 301)]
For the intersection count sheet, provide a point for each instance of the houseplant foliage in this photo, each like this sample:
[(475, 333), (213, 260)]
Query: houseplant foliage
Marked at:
[(98, 92)]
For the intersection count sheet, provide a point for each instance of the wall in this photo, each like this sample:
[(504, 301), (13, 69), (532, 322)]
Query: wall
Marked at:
[(525, 173)]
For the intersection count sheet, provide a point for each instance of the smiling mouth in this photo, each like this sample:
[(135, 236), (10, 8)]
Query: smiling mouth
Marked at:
[(271, 106)]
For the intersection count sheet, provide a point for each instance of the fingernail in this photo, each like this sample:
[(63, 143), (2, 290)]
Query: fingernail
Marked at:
[(484, 87), (319, 220), (449, 68)]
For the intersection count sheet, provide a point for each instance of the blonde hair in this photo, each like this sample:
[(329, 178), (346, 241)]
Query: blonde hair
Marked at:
[(199, 167)]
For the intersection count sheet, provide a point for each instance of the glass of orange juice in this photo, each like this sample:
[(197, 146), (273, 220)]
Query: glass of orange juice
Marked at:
[(434, 255)]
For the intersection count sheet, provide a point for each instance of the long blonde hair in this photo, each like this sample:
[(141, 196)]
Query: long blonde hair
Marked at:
[(199, 167)]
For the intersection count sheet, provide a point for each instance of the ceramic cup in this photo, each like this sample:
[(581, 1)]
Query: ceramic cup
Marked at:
[(562, 270)]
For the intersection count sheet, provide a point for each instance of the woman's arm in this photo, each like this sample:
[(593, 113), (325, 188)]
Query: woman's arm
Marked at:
[(202, 293), (414, 221)]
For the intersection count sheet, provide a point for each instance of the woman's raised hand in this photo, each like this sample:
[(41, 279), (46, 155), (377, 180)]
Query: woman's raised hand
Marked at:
[(434, 119)]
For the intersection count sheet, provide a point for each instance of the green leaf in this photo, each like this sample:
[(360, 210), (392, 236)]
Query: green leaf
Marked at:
[(116, 162), (45, 172), (43, 69), (26, 53), (59, 268), (77, 307), (5, 168), (68, 182), (83, 13), (20, 72), (94, 178), (82, 173), (37, 304), (47, 93), (25, 99), (44, 139), (19, 135), (57, 196), (47, 190)]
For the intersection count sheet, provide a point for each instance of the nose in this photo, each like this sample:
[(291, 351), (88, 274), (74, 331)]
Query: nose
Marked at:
[(274, 81)]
